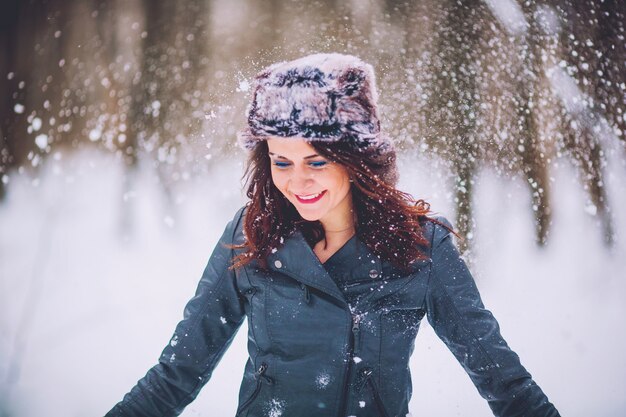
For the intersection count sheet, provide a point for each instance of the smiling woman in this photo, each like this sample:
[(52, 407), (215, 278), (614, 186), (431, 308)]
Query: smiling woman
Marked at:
[(319, 190), (346, 190), (334, 269)]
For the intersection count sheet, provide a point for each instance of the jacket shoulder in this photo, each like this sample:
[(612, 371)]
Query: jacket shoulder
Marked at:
[(235, 226), (437, 228)]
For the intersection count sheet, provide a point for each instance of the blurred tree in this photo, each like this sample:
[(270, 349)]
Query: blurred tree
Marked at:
[(458, 79), (30, 83), (526, 129), (596, 57), (454, 101), (169, 93), (9, 11)]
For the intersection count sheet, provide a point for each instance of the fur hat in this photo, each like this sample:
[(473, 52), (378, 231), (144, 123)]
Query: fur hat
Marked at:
[(321, 97)]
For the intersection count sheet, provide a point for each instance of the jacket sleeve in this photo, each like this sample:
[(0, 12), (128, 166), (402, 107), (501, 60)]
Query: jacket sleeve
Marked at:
[(459, 318), (210, 321)]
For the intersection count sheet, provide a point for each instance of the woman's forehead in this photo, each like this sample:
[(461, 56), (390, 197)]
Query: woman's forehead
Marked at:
[(290, 148)]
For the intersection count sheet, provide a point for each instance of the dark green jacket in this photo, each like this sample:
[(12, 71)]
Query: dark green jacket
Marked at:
[(310, 355)]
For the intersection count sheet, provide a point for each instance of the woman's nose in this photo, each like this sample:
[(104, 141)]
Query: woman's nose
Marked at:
[(300, 180)]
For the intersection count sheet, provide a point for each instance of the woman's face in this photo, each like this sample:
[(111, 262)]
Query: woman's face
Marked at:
[(317, 187)]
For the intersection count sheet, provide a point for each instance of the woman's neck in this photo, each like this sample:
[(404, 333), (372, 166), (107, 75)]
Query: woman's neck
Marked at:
[(339, 226), (337, 233), (332, 242)]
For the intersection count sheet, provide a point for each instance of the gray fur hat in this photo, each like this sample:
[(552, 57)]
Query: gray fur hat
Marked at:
[(320, 97)]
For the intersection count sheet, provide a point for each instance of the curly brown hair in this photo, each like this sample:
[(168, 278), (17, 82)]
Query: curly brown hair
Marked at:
[(388, 221)]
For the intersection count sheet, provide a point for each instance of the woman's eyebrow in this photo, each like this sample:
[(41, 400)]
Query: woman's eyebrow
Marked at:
[(280, 156)]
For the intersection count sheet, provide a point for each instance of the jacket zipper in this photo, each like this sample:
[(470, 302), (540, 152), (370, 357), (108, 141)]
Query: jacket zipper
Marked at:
[(353, 349), (356, 323), (366, 374), (260, 377), (350, 343), (353, 345)]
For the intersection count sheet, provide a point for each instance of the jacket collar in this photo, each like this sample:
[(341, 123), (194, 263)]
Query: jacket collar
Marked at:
[(296, 259)]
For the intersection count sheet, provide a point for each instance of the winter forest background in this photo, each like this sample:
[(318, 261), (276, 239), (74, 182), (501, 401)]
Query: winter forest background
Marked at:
[(119, 170)]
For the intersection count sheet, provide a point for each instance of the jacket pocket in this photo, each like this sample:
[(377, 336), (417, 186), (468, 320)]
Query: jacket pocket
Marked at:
[(366, 378), (261, 378)]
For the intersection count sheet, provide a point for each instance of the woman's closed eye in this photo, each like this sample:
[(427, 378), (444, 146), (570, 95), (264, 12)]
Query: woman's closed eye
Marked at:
[(312, 164), (281, 164), (318, 164)]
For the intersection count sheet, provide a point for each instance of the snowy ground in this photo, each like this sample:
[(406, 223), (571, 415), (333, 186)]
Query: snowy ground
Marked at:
[(86, 306)]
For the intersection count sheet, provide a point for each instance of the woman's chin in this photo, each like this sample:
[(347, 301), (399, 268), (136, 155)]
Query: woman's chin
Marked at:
[(309, 215), (309, 218)]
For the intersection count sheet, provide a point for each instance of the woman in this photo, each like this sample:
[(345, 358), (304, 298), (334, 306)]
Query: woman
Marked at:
[(333, 267)]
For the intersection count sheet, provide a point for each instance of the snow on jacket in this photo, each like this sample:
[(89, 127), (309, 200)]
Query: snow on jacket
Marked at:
[(311, 355)]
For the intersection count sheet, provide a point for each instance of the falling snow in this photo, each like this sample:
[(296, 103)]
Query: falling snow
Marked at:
[(244, 86), (36, 124), (42, 141), (511, 122), (275, 408), (322, 380), (95, 135)]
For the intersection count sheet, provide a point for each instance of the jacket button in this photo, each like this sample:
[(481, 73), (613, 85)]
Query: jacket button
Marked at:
[(374, 274), (278, 264)]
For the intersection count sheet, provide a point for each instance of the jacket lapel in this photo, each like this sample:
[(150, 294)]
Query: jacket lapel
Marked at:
[(296, 259)]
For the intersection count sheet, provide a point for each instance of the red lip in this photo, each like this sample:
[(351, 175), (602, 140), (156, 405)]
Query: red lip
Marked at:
[(312, 200)]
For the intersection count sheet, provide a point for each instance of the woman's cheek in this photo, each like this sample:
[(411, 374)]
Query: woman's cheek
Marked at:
[(280, 181)]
